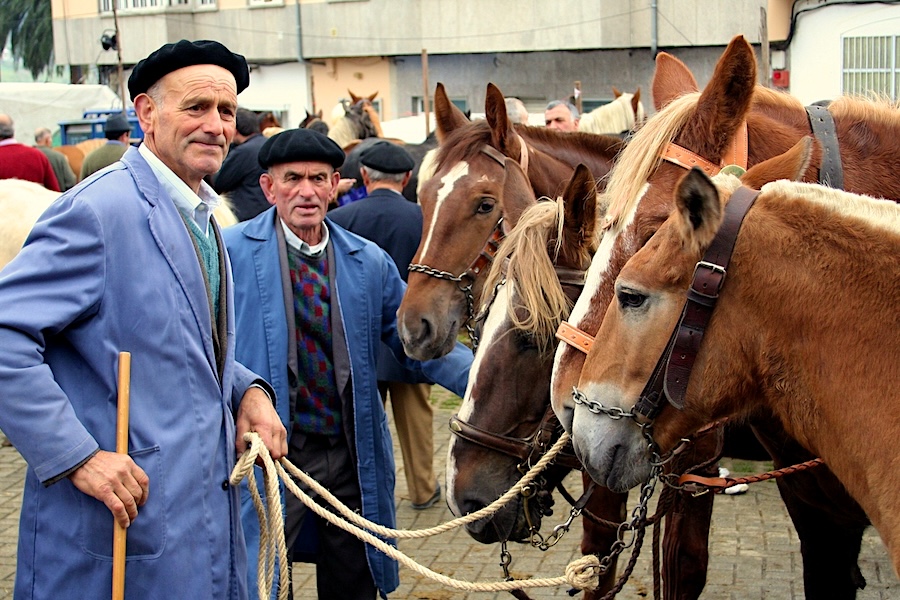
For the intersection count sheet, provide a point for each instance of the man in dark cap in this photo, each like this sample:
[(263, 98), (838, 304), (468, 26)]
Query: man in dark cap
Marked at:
[(117, 131), (239, 175), (319, 299), (385, 217), (130, 260)]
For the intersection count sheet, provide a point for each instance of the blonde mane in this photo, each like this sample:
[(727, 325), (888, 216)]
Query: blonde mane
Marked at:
[(612, 118), (523, 259), (641, 157)]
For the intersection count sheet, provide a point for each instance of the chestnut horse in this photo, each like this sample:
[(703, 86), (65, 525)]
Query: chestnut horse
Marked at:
[(357, 120), (621, 116), (805, 327), (462, 204), (828, 522)]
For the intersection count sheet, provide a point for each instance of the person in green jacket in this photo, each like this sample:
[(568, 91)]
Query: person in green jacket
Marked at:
[(117, 131)]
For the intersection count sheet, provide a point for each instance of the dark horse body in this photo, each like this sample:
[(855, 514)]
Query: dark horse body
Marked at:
[(829, 523), (350, 168)]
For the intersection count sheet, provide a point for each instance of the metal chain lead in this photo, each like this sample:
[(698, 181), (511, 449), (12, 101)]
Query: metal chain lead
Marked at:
[(465, 289), (613, 412)]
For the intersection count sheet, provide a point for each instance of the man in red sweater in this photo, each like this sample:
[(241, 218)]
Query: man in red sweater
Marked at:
[(18, 161)]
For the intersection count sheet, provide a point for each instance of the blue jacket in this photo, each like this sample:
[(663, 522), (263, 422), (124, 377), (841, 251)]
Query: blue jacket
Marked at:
[(367, 290), (110, 267)]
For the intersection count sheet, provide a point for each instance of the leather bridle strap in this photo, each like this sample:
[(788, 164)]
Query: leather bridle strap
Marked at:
[(831, 170), (735, 155), (574, 337), (703, 293)]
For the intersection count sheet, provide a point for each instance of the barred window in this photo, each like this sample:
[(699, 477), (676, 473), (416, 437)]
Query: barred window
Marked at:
[(106, 6), (870, 66)]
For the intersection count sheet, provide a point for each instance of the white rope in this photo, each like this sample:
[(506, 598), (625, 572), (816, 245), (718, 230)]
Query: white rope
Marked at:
[(583, 573)]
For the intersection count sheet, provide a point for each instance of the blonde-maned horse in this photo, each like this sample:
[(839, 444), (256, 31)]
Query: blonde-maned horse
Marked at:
[(622, 115), (805, 329), (357, 120), (22, 202)]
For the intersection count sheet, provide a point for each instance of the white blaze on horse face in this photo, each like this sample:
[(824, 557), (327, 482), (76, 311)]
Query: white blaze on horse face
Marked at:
[(448, 182), (597, 276), (493, 327)]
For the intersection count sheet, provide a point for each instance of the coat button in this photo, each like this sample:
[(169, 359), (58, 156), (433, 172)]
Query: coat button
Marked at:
[(225, 485)]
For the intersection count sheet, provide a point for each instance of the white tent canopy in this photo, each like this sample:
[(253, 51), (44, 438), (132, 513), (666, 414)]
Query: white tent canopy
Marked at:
[(33, 105)]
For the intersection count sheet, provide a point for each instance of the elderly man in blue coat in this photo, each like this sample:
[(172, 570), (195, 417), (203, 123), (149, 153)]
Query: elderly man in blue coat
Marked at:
[(313, 303), (130, 260)]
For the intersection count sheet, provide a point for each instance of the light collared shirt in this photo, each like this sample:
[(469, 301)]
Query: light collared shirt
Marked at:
[(9, 142), (291, 239), (198, 206)]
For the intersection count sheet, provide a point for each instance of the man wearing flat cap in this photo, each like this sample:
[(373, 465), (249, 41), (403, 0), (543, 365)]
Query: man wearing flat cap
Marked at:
[(317, 299), (130, 260), (117, 131), (385, 217)]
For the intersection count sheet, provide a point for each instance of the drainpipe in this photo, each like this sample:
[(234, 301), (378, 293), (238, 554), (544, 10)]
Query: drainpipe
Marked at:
[(654, 30)]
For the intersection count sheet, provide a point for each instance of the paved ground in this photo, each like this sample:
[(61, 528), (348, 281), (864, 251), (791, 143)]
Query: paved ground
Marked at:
[(755, 553)]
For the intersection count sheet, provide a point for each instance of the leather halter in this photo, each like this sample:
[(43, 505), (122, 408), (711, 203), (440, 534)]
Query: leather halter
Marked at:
[(673, 370), (831, 171)]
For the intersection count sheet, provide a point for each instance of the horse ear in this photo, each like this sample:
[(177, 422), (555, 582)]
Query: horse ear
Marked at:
[(671, 79), (790, 165), (371, 97), (725, 101), (580, 199), (698, 209), (319, 114), (636, 102), (616, 92), (495, 113), (353, 97), (446, 114), (517, 194)]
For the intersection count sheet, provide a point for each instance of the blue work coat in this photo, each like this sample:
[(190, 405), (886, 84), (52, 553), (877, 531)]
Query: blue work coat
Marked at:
[(110, 267), (367, 290)]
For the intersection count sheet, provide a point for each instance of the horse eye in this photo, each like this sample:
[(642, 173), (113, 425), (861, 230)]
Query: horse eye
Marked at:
[(525, 341), (485, 206), (629, 299)]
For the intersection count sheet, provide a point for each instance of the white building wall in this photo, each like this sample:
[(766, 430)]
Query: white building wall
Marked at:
[(817, 46), (283, 87)]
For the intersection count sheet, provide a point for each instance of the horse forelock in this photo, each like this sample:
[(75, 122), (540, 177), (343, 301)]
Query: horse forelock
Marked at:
[(524, 259)]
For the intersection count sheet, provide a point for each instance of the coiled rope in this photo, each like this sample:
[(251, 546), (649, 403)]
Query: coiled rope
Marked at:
[(582, 574)]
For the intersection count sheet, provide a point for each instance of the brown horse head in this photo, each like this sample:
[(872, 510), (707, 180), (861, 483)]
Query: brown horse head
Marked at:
[(708, 125), (533, 281), (464, 200)]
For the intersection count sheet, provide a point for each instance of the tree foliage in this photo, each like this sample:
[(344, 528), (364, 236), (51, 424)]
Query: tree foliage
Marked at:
[(28, 26)]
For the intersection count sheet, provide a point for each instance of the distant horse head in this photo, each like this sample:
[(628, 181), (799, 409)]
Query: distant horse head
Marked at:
[(465, 210), (359, 121), (268, 119), (621, 116), (534, 280)]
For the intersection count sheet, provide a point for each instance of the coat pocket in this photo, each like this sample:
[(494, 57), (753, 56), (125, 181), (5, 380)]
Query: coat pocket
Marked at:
[(147, 534)]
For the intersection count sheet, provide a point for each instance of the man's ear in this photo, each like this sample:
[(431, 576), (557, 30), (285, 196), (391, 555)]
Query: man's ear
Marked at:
[(265, 182)]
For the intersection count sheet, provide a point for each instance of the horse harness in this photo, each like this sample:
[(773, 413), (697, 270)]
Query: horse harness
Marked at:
[(466, 280)]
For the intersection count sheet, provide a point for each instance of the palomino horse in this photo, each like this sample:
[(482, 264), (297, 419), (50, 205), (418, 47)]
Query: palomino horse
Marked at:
[(804, 326), (698, 128), (462, 205), (22, 202), (546, 255), (621, 116), (357, 120)]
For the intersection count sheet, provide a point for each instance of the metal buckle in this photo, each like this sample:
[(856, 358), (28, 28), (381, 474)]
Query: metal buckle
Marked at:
[(713, 268)]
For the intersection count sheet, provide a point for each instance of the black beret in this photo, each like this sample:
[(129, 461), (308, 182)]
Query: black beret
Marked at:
[(387, 157), (172, 57), (300, 145), (117, 123)]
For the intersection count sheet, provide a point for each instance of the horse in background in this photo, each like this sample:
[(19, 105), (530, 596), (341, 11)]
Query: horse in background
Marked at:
[(268, 119), (619, 117), (811, 290), (707, 128), (356, 120), (350, 168), (315, 122), (22, 202)]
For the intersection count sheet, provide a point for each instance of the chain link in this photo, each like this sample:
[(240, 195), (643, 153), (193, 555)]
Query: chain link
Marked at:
[(613, 412)]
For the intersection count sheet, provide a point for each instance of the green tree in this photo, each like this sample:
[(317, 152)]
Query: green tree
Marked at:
[(28, 26)]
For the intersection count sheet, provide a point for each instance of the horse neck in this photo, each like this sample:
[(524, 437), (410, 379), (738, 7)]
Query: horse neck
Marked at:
[(551, 164)]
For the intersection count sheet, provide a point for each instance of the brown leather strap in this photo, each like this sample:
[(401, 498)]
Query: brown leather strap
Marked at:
[(736, 154), (487, 254), (575, 337), (709, 275)]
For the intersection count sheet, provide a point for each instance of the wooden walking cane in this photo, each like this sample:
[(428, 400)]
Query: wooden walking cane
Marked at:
[(119, 532)]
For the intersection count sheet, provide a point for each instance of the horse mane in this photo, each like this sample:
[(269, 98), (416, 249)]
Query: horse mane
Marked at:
[(523, 258), (612, 118)]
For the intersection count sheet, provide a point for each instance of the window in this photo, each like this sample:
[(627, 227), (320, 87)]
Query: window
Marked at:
[(265, 2), (106, 6), (417, 109), (870, 66)]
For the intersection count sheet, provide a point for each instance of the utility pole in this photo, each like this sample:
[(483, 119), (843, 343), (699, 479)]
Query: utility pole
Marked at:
[(765, 72), (426, 101), (119, 54)]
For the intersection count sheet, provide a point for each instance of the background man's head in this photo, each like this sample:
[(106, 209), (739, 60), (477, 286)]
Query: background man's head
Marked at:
[(384, 164), (561, 115), (247, 123), (7, 131), (516, 111), (43, 137), (116, 127), (185, 96), (301, 174)]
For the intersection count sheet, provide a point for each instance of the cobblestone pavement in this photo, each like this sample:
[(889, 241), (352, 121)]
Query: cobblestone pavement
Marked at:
[(754, 550)]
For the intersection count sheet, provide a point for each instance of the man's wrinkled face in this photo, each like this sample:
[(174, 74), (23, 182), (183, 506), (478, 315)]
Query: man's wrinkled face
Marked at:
[(560, 118), (188, 121), (301, 192)]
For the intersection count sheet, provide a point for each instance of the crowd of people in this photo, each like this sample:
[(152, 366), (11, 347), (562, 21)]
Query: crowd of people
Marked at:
[(284, 324)]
